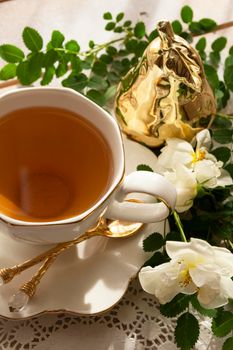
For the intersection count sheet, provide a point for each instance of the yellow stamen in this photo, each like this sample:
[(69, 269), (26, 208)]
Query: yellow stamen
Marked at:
[(198, 155), (185, 277)]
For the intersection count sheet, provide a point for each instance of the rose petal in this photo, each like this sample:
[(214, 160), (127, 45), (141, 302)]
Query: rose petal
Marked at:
[(203, 139), (224, 179), (176, 151)]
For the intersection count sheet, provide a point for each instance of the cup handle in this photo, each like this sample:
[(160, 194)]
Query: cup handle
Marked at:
[(143, 182)]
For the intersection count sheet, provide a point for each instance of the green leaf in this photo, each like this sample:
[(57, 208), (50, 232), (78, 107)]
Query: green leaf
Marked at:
[(50, 58), (212, 76), (187, 37), (229, 61), (8, 71), (154, 34), (57, 39), (222, 324), (23, 73), (11, 53), (202, 55), (110, 26), (110, 92), (144, 167), (113, 77), (228, 344), (222, 153), (226, 95), (187, 331), (229, 168), (96, 97), (177, 27), (91, 44), (76, 64), (173, 236), (76, 82), (111, 50), (201, 44), (207, 24), (120, 16), (127, 23), (48, 75), (219, 44), (97, 82), (131, 44), (153, 242), (140, 30), (221, 122), (196, 28), (203, 311), (186, 14), (106, 58), (156, 259), (214, 58), (100, 68), (73, 46), (26, 74), (107, 15), (61, 69), (223, 135), (228, 77), (140, 48), (231, 51), (118, 29), (32, 39), (30, 70), (175, 306)]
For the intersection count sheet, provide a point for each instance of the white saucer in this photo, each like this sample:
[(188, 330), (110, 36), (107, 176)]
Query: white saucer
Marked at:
[(88, 279)]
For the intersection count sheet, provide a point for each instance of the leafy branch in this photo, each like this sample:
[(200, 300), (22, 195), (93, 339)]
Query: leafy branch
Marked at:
[(97, 71)]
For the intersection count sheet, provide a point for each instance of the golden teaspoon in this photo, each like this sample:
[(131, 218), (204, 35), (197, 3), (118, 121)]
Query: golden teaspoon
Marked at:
[(105, 228)]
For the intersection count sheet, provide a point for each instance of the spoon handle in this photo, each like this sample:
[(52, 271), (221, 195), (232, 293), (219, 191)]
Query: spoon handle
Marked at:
[(29, 287), (8, 273)]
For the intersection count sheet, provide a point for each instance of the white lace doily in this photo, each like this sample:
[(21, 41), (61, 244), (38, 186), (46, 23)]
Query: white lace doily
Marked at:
[(133, 324)]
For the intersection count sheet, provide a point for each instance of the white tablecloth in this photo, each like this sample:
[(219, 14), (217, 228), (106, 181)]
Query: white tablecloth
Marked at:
[(135, 323)]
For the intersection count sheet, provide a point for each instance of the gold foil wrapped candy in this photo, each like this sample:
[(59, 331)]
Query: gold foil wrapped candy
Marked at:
[(166, 93)]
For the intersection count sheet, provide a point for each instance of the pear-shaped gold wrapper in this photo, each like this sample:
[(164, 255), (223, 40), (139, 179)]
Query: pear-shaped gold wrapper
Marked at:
[(166, 93)]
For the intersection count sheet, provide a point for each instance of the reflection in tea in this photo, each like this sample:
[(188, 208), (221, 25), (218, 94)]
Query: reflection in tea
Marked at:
[(54, 164)]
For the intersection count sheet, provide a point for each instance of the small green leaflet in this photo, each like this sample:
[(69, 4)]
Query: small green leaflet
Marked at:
[(186, 14), (32, 39), (228, 344), (222, 153), (223, 136), (144, 167), (223, 323), (57, 39), (8, 71), (48, 75), (73, 46), (153, 242), (140, 30), (219, 44), (175, 306), (11, 53), (187, 331)]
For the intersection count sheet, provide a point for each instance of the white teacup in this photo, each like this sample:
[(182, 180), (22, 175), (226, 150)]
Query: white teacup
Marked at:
[(111, 204)]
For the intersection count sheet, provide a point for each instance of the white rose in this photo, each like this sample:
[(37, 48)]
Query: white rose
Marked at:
[(195, 267)]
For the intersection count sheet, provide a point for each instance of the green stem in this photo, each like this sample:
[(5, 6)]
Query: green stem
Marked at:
[(179, 225), (102, 46), (92, 51)]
